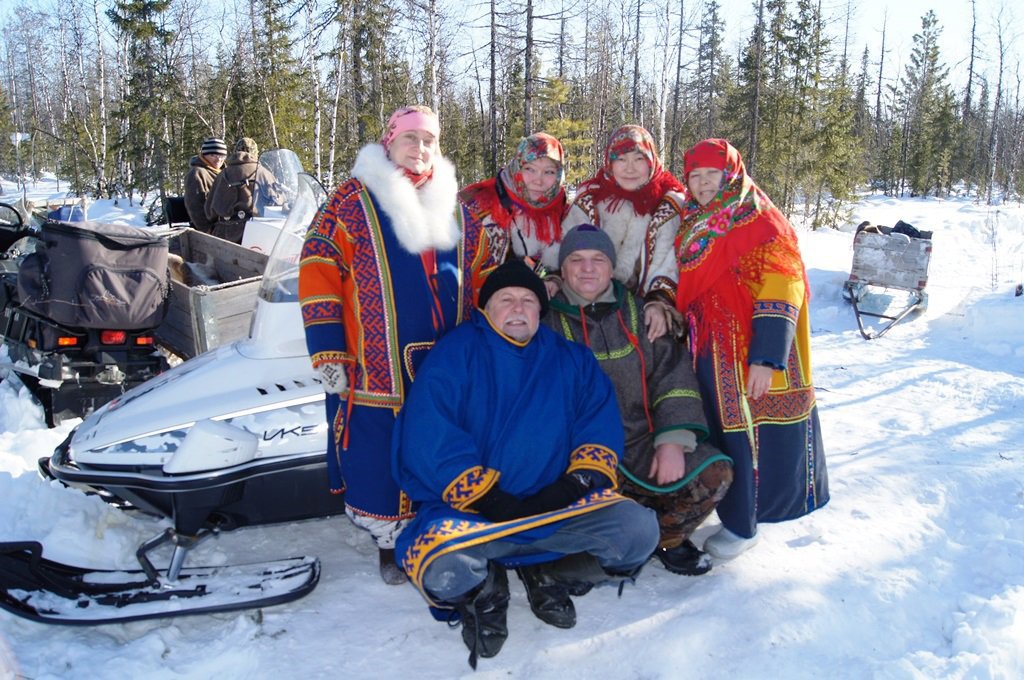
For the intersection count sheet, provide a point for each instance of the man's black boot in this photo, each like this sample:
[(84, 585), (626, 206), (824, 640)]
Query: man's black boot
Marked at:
[(483, 611), (548, 598), (579, 572), (390, 572), (686, 559)]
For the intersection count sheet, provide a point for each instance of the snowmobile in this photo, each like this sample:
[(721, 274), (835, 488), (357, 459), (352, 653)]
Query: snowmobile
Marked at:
[(889, 273), (79, 304), (233, 437)]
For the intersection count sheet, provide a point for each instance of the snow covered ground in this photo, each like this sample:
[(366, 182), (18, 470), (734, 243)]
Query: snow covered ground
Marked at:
[(914, 570)]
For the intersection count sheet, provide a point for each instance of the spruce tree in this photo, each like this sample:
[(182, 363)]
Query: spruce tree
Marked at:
[(712, 77), (922, 100), (277, 78), (144, 107)]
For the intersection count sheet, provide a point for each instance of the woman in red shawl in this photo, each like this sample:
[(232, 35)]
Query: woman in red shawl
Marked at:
[(637, 202), (521, 209), (743, 290)]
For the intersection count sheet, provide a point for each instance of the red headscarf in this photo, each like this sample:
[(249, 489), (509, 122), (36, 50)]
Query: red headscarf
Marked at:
[(644, 199), (720, 249), (543, 216)]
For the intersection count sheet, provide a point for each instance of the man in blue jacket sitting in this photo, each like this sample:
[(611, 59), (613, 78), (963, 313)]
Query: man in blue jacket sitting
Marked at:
[(508, 446)]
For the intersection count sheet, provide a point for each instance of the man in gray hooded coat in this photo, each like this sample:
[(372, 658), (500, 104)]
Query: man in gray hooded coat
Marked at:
[(231, 202)]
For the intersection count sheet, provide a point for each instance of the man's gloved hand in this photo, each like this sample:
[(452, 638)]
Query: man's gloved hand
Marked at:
[(560, 493), (498, 506), (332, 376)]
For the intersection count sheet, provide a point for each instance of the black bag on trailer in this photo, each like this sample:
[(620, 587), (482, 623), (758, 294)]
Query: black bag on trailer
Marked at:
[(94, 275)]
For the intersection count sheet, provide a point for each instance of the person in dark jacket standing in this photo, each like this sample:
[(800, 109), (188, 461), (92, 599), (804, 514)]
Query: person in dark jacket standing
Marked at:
[(231, 201), (203, 170)]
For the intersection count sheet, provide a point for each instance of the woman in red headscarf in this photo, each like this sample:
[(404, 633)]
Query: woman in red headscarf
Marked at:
[(743, 290), (636, 201), (521, 209)]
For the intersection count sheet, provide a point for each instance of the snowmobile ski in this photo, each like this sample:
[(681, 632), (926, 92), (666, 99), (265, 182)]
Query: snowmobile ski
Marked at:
[(50, 592)]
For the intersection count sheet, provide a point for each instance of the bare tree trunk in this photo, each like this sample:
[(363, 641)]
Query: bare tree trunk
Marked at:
[(755, 110), (528, 75), (261, 82), (712, 70), (101, 64), (904, 152), (430, 93), (16, 114), (624, 39), (676, 90), (82, 117), (970, 60), (339, 78), (493, 95), (662, 93), (33, 101), (126, 170), (314, 80), (636, 65), (1014, 134), (561, 43), (480, 99), (881, 72), (993, 140), (586, 45)]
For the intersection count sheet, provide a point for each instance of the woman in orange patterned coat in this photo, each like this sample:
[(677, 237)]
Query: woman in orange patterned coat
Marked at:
[(743, 290), (379, 283)]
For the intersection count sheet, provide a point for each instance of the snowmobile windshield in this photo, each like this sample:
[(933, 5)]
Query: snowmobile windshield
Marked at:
[(276, 200), (281, 277), (10, 218)]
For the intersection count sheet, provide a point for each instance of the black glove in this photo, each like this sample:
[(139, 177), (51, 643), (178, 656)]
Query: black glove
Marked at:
[(560, 493), (498, 506)]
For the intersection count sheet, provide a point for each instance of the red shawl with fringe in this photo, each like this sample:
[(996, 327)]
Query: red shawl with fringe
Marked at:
[(544, 223), (644, 200), (726, 247)]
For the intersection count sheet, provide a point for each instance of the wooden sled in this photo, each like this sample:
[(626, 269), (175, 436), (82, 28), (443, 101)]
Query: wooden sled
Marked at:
[(887, 259)]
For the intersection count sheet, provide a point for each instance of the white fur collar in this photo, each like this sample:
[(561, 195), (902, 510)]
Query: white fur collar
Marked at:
[(423, 218)]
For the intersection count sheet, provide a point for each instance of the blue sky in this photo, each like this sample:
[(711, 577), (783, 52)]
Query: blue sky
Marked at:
[(902, 20)]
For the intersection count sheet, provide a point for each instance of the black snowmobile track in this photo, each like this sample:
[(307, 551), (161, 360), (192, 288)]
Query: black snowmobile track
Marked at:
[(50, 592)]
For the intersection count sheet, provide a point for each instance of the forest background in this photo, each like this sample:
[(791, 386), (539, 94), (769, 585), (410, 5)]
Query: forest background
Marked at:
[(117, 95)]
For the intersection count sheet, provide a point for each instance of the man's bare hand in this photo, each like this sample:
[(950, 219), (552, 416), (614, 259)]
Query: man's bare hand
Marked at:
[(669, 464)]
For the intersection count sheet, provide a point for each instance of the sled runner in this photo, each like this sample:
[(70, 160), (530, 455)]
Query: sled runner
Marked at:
[(888, 262), (45, 591)]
